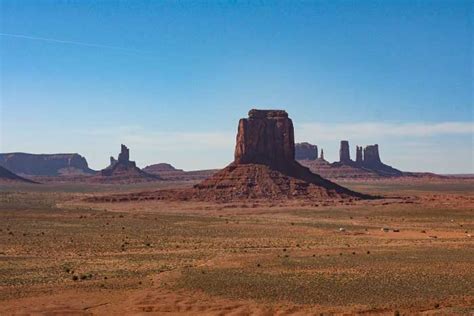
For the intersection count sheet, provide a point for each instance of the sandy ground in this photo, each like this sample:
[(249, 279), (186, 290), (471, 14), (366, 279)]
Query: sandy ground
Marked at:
[(60, 255)]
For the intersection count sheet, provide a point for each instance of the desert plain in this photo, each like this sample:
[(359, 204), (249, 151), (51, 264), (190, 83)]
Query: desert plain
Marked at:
[(411, 252)]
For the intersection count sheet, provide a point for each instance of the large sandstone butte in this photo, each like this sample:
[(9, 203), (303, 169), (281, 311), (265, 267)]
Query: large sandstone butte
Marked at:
[(8, 176), (306, 151), (344, 153), (264, 165), (371, 161), (124, 170), (45, 164)]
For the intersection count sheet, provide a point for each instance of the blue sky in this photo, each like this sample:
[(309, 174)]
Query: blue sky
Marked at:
[(171, 79)]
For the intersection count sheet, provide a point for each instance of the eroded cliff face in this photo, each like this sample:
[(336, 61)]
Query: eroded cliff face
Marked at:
[(265, 137), (306, 151), (359, 156), (45, 164)]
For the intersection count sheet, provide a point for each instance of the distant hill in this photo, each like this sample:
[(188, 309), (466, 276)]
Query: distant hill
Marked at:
[(45, 164), (168, 172)]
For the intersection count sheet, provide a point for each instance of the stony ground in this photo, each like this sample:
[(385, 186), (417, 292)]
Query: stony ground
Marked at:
[(60, 255)]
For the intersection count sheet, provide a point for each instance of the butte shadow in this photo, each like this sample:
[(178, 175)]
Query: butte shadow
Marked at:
[(264, 168)]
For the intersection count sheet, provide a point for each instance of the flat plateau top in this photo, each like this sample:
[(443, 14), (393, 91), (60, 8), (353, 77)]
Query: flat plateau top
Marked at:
[(254, 113)]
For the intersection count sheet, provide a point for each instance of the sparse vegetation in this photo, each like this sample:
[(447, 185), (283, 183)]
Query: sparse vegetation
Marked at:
[(47, 241)]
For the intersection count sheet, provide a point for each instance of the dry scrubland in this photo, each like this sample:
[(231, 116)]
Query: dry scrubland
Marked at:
[(59, 254)]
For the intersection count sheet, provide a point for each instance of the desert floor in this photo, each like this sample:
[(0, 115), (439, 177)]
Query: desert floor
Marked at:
[(59, 254)]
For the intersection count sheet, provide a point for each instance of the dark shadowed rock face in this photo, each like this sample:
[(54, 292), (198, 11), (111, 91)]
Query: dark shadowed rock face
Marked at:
[(306, 151), (45, 164), (344, 153), (359, 157), (373, 162), (122, 164), (124, 155), (8, 176), (265, 137), (371, 155)]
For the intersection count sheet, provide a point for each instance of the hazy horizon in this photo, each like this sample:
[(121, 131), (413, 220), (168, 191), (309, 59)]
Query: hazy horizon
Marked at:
[(171, 80)]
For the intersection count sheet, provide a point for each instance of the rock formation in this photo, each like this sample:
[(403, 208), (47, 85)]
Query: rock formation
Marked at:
[(124, 170), (366, 165), (266, 137), (161, 167), (45, 164), (344, 153), (8, 176), (359, 157), (168, 172), (373, 162), (322, 154), (306, 151), (265, 167), (371, 155)]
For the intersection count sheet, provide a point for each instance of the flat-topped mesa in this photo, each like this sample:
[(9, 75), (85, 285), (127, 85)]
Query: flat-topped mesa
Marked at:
[(359, 156), (344, 153), (26, 164), (371, 155), (265, 137), (306, 151)]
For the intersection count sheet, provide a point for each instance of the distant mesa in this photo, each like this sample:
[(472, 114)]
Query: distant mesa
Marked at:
[(306, 151), (25, 164), (367, 164), (6, 176), (367, 158), (167, 172), (160, 168), (124, 170)]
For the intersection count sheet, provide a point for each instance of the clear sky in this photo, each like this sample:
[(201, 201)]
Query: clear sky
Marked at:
[(170, 79)]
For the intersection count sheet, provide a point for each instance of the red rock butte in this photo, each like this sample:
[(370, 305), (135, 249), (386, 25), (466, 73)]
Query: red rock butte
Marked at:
[(264, 165)]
